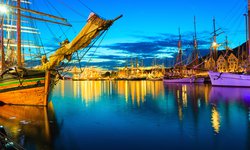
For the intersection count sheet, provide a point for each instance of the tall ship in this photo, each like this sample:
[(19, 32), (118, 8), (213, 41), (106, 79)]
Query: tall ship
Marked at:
[(176, 75), (235, 79), (185, 73), (21, 84)]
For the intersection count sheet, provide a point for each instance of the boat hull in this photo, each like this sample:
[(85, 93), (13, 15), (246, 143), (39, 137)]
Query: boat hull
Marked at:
[(180, 80), (25, 91), (22, 96), (229, 79), (199, 80)]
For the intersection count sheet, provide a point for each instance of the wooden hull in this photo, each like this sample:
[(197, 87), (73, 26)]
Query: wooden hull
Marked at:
[(30, 96), (30, 91), (229, 79), (180, 80)]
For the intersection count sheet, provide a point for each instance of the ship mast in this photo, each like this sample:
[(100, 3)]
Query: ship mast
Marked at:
[(248, 41), (214, 42), (180, 51), (19, 63), (195, 44), (2, 47), (18, 8)]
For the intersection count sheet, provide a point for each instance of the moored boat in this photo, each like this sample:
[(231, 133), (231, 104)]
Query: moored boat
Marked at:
[(233, 79), (229, 79)]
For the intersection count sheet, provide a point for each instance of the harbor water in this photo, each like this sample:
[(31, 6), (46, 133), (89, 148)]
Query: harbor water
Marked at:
[(133, 115)]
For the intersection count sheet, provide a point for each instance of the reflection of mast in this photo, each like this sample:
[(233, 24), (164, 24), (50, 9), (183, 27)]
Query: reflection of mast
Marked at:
[(215, 120), (248, 129)]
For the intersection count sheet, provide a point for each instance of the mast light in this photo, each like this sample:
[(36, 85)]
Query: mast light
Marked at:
[(3, 9), (215, 45)]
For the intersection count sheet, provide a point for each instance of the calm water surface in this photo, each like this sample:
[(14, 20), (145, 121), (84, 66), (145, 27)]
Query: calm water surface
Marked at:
[(133, 115)]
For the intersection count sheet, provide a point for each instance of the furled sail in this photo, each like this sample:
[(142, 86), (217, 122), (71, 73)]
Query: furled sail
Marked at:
[(91, 30)]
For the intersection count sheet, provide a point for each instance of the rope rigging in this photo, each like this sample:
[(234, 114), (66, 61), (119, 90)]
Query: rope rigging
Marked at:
[(77, 12), (49, 4), (88, 7), (87, 50)]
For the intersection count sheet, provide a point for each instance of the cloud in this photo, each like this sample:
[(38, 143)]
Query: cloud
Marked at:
[(154, 44), (162, 47)]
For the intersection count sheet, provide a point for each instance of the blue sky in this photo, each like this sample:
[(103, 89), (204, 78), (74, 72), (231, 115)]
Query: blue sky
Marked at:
[(148, 29)]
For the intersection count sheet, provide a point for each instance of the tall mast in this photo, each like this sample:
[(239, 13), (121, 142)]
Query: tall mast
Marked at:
[(195, 44), (179, 48), (214, 36), (248, 31), (195, 35), (2, 46), (19, 63)]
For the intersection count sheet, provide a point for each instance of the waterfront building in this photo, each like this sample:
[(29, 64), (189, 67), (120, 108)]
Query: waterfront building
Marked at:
[(222, 64), (233, 63), (210, 63)]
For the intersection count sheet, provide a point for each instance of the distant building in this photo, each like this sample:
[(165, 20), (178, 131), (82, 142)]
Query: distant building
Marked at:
[(88, 73)]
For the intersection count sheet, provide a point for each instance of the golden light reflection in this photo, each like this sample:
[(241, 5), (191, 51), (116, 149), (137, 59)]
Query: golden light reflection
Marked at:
[(137, 90), (134, 91), (184, 95), (178, 94), (76, 89), (90, 90), (206, 93), (180, 114), (215, 120), (62, 87), (126, 91)]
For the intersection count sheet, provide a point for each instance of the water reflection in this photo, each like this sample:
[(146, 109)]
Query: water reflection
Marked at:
[(136, 91), (153, 113), (220, 101), (188, 96), (130, 91), (228, 94), (215, 119), (29, 126)]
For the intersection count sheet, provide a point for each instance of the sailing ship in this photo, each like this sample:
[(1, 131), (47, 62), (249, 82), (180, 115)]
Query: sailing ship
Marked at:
[(233, 79), (194, 65), (21, 85), (176, 75)]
